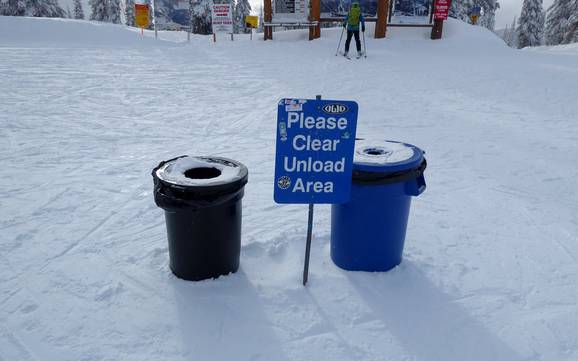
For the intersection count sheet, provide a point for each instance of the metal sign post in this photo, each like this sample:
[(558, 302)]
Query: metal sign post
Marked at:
[(314, 155), (308, 245), (154, 18)]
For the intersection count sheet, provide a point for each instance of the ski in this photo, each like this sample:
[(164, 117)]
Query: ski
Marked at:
[(345, 56)]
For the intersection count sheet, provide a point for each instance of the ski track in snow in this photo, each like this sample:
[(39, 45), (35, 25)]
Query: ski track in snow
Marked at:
[(490, 268)]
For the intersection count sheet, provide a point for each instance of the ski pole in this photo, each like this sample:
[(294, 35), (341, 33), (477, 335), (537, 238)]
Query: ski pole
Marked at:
[(364, 47), (340, 37)]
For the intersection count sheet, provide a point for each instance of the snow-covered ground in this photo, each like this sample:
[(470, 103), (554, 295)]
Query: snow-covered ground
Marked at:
[(87, 110)]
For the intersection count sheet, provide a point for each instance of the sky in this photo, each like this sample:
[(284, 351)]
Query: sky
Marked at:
[(509, 9), (504, 15)]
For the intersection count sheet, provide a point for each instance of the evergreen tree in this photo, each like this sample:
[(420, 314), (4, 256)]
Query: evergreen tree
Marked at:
[(571, 35), (99, 10), (557, 22), (261, 28), (242, 9), (44, 8), (14, 8), (531, 24), (114, 11), (506, 34), (488, 18), (163, 10), (200, 16), (37, 8), (78, 11), (561, 22), (512, 39), (460, 9), (129, 12)]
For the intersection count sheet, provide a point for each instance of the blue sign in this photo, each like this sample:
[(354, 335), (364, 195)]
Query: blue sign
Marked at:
[(475, 10), (315, 143)]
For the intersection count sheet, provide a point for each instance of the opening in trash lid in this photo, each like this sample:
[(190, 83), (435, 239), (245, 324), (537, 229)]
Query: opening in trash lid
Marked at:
[(201, 174), (385, 156)]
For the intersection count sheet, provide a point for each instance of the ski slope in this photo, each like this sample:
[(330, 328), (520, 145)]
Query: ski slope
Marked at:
[(87, 110)]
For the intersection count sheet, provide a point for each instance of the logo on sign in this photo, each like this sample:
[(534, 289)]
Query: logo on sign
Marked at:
[(335, 108), (284, 182)]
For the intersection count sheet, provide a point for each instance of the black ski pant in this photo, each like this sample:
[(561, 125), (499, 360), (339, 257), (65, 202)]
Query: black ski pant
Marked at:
[(351, 33)]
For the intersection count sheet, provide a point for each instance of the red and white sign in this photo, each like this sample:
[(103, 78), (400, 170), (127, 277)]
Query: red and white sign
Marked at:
[(442, 8), (222, 16)]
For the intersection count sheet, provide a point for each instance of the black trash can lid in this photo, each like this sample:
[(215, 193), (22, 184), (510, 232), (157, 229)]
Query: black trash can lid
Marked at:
[(201, 174), (385, 156)]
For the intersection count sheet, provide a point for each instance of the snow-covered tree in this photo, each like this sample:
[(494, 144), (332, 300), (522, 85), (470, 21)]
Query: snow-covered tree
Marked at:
[(261, 28), (14, 8), (488, 18), (99, 10), (78, 11), (512, 38), (163, 10), (200, 16), (531, 24), (114, 11), (44, 8), (509, 34), (506, 34), (571, 35), (561, 22), (242, 9), (460, 9), (37, 8), (129, 12)]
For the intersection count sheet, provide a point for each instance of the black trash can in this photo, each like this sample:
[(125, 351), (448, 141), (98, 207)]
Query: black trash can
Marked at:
[(201, 197)]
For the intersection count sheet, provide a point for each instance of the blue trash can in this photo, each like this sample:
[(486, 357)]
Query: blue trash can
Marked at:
[(368, 232)]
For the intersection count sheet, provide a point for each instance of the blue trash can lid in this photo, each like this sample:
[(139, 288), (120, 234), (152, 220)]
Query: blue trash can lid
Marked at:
[(385, 156)]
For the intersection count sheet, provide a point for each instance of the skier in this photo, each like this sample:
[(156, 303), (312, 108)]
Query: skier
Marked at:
[(352, 21)]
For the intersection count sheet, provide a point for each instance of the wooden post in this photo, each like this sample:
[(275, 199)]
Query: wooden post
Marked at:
[(381, 23), (268, 12), (436, 30), (315, 15)]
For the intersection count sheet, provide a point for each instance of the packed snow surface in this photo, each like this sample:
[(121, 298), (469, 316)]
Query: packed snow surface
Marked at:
[(375, 152), (175, 171), (87, 110)]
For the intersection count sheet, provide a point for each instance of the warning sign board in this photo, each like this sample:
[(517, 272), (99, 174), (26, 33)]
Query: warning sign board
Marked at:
[(295, 10), (251, 22), (222, 17), (141, 15), (442, 8)]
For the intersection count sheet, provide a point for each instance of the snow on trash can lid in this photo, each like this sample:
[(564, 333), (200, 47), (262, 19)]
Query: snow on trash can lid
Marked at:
[(385, 156), (202, 171)]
